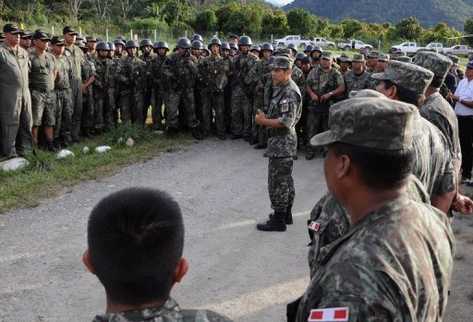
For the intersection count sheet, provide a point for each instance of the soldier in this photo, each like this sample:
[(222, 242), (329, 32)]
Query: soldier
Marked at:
[(345, 63), (119, 48), (308, 50), (91, 43), (260, 78), (147, 55), (214, 71), (76, 57), (197, 47), (282, 116), (25, 41), (147, 226), (62, 94), (315, 55), (42, 77), (242, 117), (131, 77), (383, 60), (225, 51), (159, 84), (324, 85), (255, 51), (357, 78), (372, 61), (180, 70), (103, 68), (233, 49), (298, 60), (363, 269), (233, 39), (293, 49), (89, 107), (15, 114)]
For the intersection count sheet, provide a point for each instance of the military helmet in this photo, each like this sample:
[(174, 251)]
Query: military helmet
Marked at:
[(197, 37), (225, 45), (184, 43), (131, 44), (308, 48), (317, 48), (267, 46), (292, 46), (146, 42), (102, 46), (300, 56), (233, 46), (119, 42), (245, 41), (197, 44), (160, 44), (215, 41), (255, 48), (111, 45)]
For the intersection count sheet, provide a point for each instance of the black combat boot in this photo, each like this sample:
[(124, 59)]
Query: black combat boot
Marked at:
[(289, 220), (197, 133), (276, 222)]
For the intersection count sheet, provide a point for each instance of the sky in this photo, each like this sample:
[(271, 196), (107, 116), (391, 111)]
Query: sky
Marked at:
[(279, 2)]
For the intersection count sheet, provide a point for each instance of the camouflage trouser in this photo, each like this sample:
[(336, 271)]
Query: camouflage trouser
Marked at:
[(172, 106), (241, 113), (99, 107), (147, 101), (88, 111), (15, 129), (109, 109), (42, 107), (258, 131), (158, 99), (131, 107), (228, 108), (316, 122), (76, 108), (280, 183), (213, 101), (63, 114)]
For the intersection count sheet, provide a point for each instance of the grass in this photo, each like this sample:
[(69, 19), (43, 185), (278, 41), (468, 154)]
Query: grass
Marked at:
[(45, 176)]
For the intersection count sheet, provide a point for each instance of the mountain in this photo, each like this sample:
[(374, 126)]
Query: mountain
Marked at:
[(429, 12)]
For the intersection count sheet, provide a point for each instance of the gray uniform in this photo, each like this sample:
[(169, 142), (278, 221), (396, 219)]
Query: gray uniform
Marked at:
[(76, 57), (15, 114), (63, 99), (354, 82)]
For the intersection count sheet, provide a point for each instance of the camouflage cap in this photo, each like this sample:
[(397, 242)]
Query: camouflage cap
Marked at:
[(326, 55), (57, 40), (404, 59), (383, 57), (343, 58), (370, 122), (407, 75), (358, 58), (436, 63), (366, 93), (283, 52), (282, 62), (372, 55)]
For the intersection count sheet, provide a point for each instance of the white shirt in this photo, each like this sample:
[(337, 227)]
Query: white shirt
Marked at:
[(465, 92)]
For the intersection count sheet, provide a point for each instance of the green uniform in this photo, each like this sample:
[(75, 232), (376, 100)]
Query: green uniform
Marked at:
[(147, 82), (159, 91), (76, 57), (132, 75), (354, 82), (63, 99), (103, 106), (15, 114), (89, 105)]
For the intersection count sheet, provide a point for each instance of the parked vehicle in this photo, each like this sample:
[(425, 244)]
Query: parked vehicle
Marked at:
[(459, 50), (322, 42), (354, 44), (407, 47), (434, 46), (297, 40)]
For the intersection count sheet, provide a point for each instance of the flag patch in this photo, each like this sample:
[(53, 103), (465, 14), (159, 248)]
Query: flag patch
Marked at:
[(337, 314), (315, 226)]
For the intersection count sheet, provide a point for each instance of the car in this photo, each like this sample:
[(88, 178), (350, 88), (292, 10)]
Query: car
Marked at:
[(459, 50), (408, 47), (322, 42), (296, 40), (434, 46), (353, 44)]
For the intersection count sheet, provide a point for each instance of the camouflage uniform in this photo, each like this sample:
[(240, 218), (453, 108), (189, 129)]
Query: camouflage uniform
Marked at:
[(88, 112), (63, 98), (15, 113), (242, 117), (159, 90), (214, 71), (42, 74), (131, 76), (354, 82), (147, 82), (76, 58), (114, 89), (168, 312), (369, 274), (103, 109), (285, 105), (181, 74)]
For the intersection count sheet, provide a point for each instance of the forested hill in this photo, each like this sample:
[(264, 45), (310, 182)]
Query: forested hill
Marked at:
[(428, 12)]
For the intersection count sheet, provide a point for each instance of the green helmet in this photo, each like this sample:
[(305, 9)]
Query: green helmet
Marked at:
[(102, 46), (119, 42), (308, 49), (197, 44), (225, 46), (111, 45), (197, 37), (184, 43), (292, 47), (131, 44), (160, 44), (255, 48), (146, 42), (245, 41), (267, 46), (215, 41), (300, 56)]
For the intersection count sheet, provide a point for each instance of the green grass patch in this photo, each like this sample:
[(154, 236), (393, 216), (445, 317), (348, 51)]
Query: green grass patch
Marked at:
[(46, 176)]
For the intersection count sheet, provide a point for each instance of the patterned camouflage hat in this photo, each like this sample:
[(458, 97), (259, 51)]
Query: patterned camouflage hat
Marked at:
[(366, 93), (373, 55), (404, 59), (326, 55), (283, 52), (407, 75), (436, 63), (343, 58), (358, 58), (383, 57), (282, 62), (370, 122)]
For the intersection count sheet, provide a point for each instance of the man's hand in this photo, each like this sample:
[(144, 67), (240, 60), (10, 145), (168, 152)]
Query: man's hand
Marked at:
[(325, 97), (83, 88), (314, 97), (463, 204), (260, 117)]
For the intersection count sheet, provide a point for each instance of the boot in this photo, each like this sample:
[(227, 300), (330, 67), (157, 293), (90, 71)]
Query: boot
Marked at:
[(289, 220), (196, 133), (50, 147), (309, 155), (260, 146), (275, 223)]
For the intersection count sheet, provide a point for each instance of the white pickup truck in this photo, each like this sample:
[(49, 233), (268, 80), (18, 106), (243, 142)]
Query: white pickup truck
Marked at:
[(353, 44), (322, 42), (297, 40), (407, 47), (434, 46)]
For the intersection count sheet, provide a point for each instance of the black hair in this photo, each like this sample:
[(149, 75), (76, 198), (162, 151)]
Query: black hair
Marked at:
[(379, 169), (437, 82), (136, 239), (405, 95)]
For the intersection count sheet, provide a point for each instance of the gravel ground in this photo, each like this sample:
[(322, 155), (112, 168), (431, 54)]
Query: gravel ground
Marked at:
[(234, 269)]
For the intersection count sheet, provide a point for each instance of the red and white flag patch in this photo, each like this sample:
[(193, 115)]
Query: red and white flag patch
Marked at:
[(337, 314), (315, 226)]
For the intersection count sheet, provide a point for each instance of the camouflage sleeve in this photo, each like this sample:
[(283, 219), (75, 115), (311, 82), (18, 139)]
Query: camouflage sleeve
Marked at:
[(443, 125), (339, 78), (288, 107), (310, 81)]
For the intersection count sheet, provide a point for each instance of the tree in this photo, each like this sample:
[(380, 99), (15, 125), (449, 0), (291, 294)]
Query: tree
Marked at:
[(301, 22), (409, 28), (351, 27), (468, 27), (275, 23), (103, 8), (205, 21)]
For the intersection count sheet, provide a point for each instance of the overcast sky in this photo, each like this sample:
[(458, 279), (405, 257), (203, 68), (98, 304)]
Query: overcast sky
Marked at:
[(279, 2)]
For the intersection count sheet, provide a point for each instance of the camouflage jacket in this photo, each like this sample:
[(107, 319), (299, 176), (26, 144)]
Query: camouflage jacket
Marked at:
[(157, 72), (354, 82), (393, 265), (181, 72), (439, 112), (132, 74), (241, 67), (64, 71), (168, 312), (148, 77), (298, 76), (259, 75), (322, 82), (103, 69), (286, 106), (76, 58), (213, 73)]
